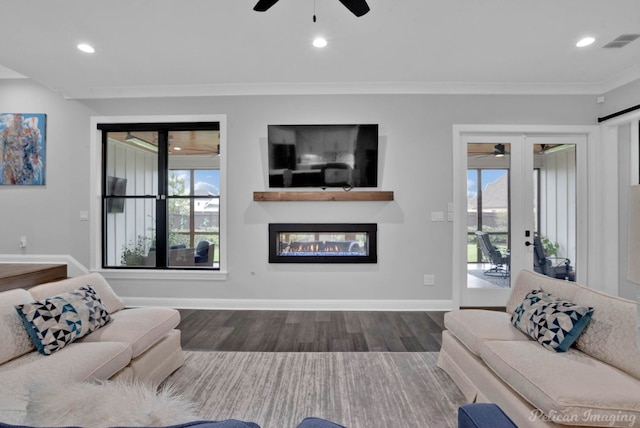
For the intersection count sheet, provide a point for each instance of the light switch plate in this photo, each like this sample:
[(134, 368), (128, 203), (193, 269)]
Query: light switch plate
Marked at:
[(437, 216)]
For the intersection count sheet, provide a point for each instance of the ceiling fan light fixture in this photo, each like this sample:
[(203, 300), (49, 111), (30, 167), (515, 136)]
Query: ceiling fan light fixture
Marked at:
[(319, 42), (132, 139)]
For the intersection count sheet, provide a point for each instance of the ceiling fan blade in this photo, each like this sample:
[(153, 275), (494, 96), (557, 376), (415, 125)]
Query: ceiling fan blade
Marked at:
[(357, 7), (264, 5)]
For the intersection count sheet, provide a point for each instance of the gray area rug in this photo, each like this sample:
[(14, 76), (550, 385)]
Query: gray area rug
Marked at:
[(355, 389), (498, 281)]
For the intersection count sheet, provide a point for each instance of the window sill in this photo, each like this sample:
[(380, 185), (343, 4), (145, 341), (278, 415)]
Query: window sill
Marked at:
[(183, 275)]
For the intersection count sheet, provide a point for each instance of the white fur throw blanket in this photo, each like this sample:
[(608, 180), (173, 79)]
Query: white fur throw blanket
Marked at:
[(106, 404)]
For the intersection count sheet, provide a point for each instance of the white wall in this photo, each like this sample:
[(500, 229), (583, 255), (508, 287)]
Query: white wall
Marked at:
[(628, 141), (49, 216), (621, 134), (415, 162), (619, 99)]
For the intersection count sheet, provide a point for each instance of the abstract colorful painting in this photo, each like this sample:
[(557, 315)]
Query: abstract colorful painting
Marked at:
[(22, 148)]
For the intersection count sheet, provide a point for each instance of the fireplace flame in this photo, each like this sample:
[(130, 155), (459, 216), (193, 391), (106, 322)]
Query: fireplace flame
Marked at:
[(322, 247)]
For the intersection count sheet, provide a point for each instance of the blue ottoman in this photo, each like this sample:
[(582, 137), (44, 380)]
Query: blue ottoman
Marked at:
[(317, 423), (483, 415)]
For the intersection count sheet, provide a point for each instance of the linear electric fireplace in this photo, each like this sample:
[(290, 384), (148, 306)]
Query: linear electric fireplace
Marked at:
[(322, 243)]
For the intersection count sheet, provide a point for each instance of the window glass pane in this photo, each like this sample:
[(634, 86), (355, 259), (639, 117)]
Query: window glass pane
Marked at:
[(473, 255), (132, 164), (554, 204), (193, 199), (495, 205), (488, 224), (130, 234)]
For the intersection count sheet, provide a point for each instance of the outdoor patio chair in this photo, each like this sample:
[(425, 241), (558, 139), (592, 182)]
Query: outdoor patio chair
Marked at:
[(499, 262), (556, 267)]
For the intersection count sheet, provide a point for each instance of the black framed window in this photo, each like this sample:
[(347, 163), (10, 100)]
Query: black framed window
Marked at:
[(161, 195)]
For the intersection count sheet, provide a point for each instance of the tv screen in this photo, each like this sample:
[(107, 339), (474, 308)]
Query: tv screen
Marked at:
[(116, 187), (323, 155)]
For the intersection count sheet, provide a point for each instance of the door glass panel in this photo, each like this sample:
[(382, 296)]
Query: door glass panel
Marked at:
[(488, 215), (554, 252), (193, 199)]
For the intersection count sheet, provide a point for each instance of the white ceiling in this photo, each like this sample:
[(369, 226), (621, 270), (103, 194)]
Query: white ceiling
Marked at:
[(211, 47)]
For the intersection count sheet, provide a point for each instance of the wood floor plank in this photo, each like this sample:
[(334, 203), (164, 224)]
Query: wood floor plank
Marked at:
[(352, 322), (311, 331)]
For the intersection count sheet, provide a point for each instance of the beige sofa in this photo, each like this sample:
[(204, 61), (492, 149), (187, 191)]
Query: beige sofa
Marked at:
[(139, 344), (595, 383)]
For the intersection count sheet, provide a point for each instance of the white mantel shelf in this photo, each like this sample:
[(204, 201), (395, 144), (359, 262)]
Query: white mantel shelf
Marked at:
[(354, 195)]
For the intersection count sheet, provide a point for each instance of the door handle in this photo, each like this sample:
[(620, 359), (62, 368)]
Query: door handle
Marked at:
[(527, 243)]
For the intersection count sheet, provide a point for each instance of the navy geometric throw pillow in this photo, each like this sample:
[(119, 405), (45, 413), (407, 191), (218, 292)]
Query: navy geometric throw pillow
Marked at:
[(57, 321), (553, 322)]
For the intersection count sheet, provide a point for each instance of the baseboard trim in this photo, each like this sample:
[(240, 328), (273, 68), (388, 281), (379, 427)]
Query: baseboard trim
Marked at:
[(293, 304)]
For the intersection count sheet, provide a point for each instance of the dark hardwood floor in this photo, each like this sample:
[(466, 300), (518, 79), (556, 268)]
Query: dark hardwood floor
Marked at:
[(311, 331)]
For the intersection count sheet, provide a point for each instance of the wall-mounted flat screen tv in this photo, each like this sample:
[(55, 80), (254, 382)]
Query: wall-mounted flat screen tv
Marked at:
[(323, 155), (116, 187)]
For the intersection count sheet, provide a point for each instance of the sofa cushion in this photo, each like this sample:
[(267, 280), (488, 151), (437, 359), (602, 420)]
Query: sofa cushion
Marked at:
[(156, 363), (140, 327), (110, 299), (57, 321), (14, 339), (553, 322), (474, 326), (610, 336), (528, 281), (569, 387)]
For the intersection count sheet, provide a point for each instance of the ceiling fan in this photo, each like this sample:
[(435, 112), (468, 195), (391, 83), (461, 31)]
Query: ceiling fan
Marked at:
[(482, 150), (357, 7)]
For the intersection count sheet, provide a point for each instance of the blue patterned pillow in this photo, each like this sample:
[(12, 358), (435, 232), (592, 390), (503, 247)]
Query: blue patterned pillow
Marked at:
[(57, 321), (553, 322)]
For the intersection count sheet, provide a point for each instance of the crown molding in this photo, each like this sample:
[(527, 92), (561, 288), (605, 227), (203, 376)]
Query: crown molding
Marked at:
[(338, 88), (621, 79)]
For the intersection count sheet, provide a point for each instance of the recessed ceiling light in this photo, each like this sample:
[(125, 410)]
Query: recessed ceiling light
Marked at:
[(585, 42), (86, 48), (319, 42)]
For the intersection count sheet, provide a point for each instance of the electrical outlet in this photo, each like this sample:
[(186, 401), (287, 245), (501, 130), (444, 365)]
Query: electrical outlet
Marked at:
[(429, 280)]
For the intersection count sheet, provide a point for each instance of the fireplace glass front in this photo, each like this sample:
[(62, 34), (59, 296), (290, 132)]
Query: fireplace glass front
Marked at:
[(322, 243)]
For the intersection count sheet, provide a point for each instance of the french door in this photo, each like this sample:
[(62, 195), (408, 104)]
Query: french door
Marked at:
[(520, 203)]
